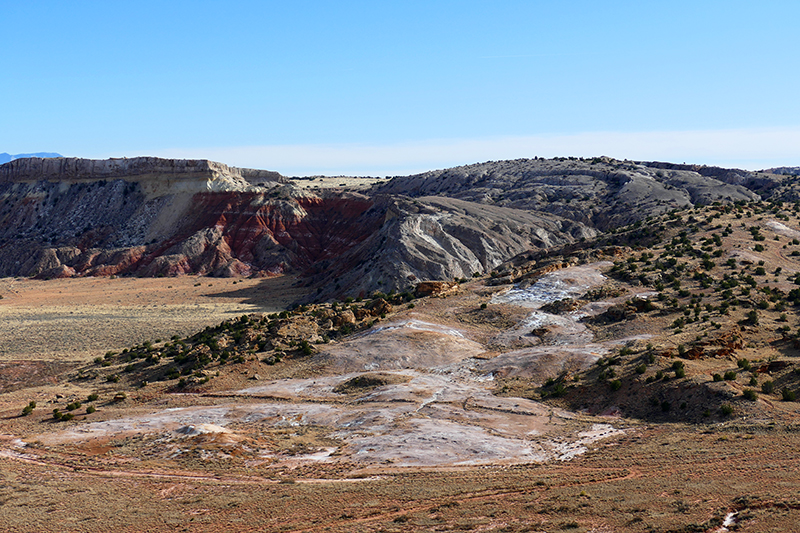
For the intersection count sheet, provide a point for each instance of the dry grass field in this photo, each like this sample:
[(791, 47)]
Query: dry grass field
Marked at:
[(78, 319)]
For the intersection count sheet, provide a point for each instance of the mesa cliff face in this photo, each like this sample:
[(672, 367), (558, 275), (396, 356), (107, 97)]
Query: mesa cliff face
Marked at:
[(131, 169), (150, 217), (111, 227)]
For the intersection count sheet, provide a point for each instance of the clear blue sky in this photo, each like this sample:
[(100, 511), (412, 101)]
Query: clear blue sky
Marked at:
[(391, 87)]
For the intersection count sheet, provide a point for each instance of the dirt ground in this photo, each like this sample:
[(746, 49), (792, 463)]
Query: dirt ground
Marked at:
[(429, 446), (668, 478)]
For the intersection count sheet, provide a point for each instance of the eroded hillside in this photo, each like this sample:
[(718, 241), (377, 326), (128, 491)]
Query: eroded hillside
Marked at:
[(151, 217), (669, 345)]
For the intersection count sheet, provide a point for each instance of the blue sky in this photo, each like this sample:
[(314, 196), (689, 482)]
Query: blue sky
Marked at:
[(384, 88)]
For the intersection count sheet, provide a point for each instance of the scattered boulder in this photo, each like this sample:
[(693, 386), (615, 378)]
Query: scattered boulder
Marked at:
[(378, 307), (626, 310), (772, 366), (344, 318), (562, 306), (618, 313)]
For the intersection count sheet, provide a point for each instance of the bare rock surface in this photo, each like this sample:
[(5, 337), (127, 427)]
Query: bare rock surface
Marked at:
[(167, 172), (599, 193), (415, 390)]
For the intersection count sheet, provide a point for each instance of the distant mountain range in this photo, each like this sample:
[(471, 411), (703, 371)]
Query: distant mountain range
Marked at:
[(5, 157)]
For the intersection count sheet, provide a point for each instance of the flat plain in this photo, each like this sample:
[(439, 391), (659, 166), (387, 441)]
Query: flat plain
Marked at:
[(77, 319)]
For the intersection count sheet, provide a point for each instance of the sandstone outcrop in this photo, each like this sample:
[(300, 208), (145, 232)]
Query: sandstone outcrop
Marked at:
[(85, 226), (72, 169), (435, 288)]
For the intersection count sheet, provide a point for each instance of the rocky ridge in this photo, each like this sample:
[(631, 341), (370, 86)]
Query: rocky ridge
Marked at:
[(602, 193), (148, 217)]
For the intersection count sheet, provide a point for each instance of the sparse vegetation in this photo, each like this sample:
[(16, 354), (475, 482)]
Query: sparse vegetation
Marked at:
[(708, 308), (28, 409)]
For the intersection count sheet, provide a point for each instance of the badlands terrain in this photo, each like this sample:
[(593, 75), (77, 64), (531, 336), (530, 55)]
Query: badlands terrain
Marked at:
[(532, 345)]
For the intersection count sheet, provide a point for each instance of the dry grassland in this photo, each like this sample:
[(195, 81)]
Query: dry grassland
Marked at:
[(81, 318)]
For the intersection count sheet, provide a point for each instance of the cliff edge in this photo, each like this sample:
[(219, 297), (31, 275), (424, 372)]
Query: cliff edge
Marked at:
[(157, 175)]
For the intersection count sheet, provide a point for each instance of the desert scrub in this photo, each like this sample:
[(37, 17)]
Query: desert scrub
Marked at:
[(750, 394), (726, 409), (28, 409)]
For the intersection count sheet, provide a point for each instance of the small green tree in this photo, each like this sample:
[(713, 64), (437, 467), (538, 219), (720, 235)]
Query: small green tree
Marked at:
[(28, 409)]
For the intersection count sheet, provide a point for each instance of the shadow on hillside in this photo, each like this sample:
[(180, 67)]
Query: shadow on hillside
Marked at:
[(269, 294)]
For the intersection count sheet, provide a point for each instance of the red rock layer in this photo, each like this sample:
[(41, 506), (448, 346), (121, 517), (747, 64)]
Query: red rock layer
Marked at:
[(300, 232)]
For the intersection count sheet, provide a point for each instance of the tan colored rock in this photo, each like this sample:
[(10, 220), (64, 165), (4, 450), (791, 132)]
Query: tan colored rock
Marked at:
[(345, 318), (325, 314), (379, 307), (300, 327), (435, 288)]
